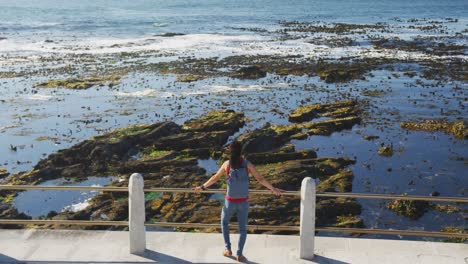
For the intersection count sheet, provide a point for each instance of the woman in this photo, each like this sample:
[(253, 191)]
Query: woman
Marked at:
[(237, 170)]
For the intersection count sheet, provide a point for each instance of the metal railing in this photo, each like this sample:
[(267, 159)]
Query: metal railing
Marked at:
[(307, 227), (260, 192)]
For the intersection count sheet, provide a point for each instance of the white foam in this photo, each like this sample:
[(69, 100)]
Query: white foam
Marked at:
[(242, 88), (208, 45), (160, 24), (39, 97), (77, 207), (32, 24), (144, 93)]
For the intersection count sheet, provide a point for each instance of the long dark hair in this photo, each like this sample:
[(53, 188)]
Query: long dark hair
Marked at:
[(235, 154)]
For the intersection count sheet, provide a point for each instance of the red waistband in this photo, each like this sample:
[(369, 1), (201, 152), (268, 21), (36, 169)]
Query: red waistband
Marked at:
[(236, 200)]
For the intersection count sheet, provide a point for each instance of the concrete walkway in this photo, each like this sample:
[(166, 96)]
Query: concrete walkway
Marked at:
[(67, 246)]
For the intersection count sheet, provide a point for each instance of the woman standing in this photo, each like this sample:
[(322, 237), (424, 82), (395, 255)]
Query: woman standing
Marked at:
[(237, 170)]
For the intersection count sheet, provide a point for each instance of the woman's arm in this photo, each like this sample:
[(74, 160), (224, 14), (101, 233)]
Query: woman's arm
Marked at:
[(262, 180), (212, 180)]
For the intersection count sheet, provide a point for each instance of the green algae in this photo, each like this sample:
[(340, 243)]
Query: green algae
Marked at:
[(8, 198), (336, 28), (446, 208), (3, 172), (349, 221), (385, 151), (409, 208), (216, 120), (338, 109), (340, 182), (118, 134), (251, 72), (421, 45), (189, 78), (453, 229), (458, 129), (155, 153), (81, 83)]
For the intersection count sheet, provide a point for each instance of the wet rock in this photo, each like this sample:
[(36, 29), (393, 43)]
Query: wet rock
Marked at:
[(151, 166), (209, 132), (453, 229), (349, 221), (341, 75), (459, 128), (371, 137), (328, 210), (289, 174), (81, 84), (385, 151), (340, 182), (170, 34), (332, 70), (374, 93), (271, 137), (335, 28), (279, 155), (409, 208), (216, 121), (33, 177), (339, 109), (7, 211), (193, 140), (3, 173), (327, 127), (189, 78), (51, 214), (102, 153), (446, 208), (251, 72), (267, 138), (167, 155), (110, 153), (421, 45)]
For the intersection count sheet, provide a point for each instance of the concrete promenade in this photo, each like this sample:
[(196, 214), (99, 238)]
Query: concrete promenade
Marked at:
[(70, 246)]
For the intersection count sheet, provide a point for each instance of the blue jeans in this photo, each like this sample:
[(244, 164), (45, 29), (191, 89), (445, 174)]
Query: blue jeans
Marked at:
[(242, 212)]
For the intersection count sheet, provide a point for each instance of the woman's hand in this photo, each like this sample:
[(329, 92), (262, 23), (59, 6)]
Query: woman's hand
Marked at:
[(277, 191), (198, 189)]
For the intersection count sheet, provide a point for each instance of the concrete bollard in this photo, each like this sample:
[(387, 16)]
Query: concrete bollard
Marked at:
[(136, 214), (307, 228)]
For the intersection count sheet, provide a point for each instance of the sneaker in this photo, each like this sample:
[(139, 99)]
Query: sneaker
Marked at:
[(241, 258), (227, 253)]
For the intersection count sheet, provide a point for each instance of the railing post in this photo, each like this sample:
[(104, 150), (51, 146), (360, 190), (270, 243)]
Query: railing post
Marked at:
[(136, 214), (307, 228)]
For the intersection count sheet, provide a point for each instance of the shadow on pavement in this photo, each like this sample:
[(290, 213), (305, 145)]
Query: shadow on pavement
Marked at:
[(324, 260)]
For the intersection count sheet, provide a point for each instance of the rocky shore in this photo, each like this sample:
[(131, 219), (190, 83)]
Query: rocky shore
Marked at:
[(167, 153), (319, 99)]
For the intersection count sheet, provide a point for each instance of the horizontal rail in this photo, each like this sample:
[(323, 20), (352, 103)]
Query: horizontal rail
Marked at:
[(395, 197), (392, 232), (320, 229), (262, 192), (217, 226), (250, 227), (187, 190), (62, 222), (64, 188)]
